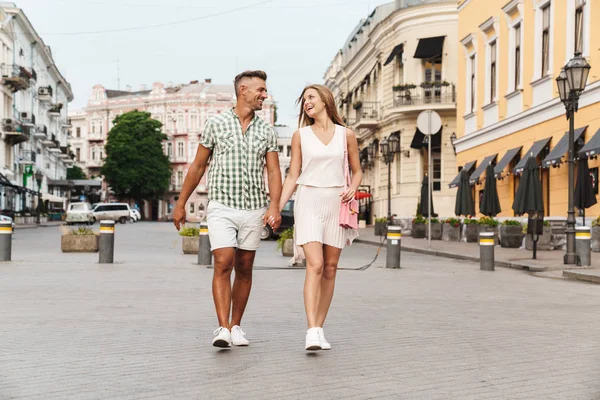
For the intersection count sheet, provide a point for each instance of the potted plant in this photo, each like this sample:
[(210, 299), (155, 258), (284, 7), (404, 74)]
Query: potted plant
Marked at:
[(80, 240), (285, 242), (511, 234), (357, 104), (471, 230), (418, 227), (544, 241), (190, 239), (451, 230), (489, 224), (380, 226), (436, 229), (596, 235)]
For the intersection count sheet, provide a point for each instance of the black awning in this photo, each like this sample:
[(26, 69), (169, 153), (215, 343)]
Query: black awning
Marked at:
[(474, 178), (397, 50), (591, 148), (420, 140), (508, 157), (534, 151), (469, 167), (430, 47), (561, 148), (4, 181)]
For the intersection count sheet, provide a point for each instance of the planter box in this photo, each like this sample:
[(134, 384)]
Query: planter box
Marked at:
[(419, 231), (287, 250), (451, 233), (544, 242), (436, 231), (79, 243), (20, 220), (379, 228), (596, 238), (493, 229), (189, 244), (472, 233), (43, 220), (511, 236)]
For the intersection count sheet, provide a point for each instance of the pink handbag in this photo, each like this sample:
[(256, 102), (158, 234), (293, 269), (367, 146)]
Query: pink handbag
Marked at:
[(349, 210)]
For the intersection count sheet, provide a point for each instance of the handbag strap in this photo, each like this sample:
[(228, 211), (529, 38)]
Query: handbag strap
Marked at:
[(346, 166)]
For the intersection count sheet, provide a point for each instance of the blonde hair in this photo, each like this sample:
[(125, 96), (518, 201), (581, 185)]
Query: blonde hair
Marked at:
[(327, 98)]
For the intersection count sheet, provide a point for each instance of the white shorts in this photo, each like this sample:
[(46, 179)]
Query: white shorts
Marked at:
[(231, 227)]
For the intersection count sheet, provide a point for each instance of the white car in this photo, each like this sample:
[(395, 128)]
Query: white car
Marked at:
[(135, 215), (118, 212), (80, 213)]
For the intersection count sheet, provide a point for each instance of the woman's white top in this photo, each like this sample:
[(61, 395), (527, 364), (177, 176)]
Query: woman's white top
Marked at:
[(322, 165)]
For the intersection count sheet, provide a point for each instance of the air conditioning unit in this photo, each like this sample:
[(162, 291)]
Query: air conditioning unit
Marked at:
[(7, 121), (44, 91), (24, 115)]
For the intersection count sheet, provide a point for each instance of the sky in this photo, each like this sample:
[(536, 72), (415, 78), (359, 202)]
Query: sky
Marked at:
[(137, 42)]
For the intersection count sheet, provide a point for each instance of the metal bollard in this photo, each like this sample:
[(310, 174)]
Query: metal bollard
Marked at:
[(394, 239), (6, 232), (107, 242), (583, 248), (486, 251), (204, 253)]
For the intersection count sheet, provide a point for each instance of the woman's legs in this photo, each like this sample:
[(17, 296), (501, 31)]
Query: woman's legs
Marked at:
[(331, 256), (313, 252)]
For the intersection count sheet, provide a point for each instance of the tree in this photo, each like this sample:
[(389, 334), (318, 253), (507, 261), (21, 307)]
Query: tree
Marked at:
[(135, 166), (75, 173)]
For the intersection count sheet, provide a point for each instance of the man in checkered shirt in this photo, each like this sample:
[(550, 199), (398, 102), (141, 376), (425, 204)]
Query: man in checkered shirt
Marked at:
[(239, 144)]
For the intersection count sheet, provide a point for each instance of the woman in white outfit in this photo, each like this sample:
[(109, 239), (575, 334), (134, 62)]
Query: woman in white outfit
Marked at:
[(317, 171)]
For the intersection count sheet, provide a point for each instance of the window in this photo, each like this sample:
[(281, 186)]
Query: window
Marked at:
[(180, 149), (579, 26), (437, 172), (170, 149), (100, 127), (192, 208), (280, 149), (493, 71), (546, 40), (399, 70), (78, 154), (180, 126), (517, 61), (194, 121), (179, 178), (288, 151), (100, 152), (78, 132), (472, 82), (93, 127), (398, 172), (93, 154), (433, 73)]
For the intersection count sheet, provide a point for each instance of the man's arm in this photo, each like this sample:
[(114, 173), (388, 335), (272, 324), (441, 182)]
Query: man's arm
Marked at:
[(192, 179), (273, 217)]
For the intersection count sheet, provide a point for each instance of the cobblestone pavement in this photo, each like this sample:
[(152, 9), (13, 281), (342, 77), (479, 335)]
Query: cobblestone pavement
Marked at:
[(141, 328)]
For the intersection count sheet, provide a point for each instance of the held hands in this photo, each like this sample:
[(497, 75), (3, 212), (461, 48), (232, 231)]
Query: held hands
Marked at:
[(272, 217), (179, 217)]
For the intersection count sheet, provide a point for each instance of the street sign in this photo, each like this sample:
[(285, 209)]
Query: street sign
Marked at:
[(429, 122)]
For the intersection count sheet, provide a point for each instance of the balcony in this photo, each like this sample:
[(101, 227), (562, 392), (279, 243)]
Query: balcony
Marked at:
[(54, 111), (15, 77), (93, 163), (64, 153), (66, 124), (95, 137), (367, 115), (14, 131), (175, 188), (45, 94), (178, 159), (28, 119), (40, 132), (426, 96), (26, 157), (47, 140)]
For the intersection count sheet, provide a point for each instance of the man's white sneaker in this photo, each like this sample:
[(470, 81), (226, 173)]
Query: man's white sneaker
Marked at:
[(222, 337), (238, 336), (313, 340), (324, 343)]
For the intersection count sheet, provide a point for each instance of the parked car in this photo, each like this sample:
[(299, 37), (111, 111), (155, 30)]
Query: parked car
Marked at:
[(7, 218), (80, 213), (287, 221), (135, 215), (118, 212)]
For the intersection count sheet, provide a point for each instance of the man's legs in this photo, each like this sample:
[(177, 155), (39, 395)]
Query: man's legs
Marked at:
[(244, 260), (221, 285)]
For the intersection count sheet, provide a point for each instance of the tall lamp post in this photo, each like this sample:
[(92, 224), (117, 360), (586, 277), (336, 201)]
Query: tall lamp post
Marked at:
[(571, 82), (38, 178), (389, 148)]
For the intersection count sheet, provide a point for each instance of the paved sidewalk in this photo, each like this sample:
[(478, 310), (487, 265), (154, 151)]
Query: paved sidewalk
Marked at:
[(48, 224), (510, 258)]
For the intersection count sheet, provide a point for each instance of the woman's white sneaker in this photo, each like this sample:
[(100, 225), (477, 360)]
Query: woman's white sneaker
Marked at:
[(238, 336), (313, 340), (324, 343), (222, 337)]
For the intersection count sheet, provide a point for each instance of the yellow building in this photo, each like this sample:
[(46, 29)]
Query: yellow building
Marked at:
[(397, 62), (508, 105)]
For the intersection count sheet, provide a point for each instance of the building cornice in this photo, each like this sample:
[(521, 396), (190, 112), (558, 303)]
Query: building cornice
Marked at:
[(463, 5), (489, 24), (512, 6)]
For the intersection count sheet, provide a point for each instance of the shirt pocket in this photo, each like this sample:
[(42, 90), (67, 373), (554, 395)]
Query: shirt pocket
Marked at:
[(224, 143), (259, 145)]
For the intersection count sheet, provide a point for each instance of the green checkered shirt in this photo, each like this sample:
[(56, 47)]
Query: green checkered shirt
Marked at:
[(236, 173)]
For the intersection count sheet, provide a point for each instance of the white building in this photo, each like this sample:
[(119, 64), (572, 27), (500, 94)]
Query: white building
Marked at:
[(33, 110), (284, 143)]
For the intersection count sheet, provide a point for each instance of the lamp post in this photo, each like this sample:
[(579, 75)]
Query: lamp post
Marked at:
[(38, 177), (571, 82), (389, 148)]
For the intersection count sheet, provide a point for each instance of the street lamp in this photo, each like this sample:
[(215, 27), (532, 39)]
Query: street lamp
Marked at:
[(38, 178), (571, 82), (389, 148)]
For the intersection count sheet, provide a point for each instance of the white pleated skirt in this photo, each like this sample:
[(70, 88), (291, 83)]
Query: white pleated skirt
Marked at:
[(316, 219)]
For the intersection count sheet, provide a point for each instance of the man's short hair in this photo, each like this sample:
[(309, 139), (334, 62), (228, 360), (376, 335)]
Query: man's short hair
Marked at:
[(248, 74)]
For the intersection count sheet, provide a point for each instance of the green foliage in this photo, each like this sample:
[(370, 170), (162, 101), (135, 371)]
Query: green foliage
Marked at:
[(135, 165), (433, 220), (419, 219), (287, 234), (488, 221), (189, 231), (455, 222), (596, 222), (75, 172), (382, 219), (82, 231), (511, 222), (469, 221)]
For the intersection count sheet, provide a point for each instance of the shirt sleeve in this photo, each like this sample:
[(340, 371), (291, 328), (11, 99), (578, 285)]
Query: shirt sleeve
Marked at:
[(272, 141), (207, 139)]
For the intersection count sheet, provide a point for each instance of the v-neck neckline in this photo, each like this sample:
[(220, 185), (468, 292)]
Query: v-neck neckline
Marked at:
[(320, 141)]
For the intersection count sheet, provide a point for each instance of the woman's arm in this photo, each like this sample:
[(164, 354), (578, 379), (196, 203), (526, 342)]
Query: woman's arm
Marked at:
[(354, 162), (289, 186)]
